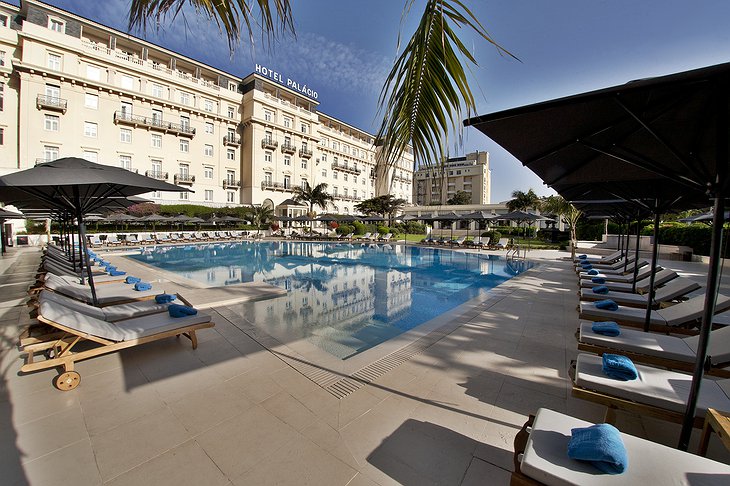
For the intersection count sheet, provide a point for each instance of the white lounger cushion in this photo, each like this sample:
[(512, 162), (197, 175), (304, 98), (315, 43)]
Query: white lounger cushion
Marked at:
[(661, 277), (643, 273), (673, 289), (660, 388), (660, 345), (106, 294), (546, 459), (126, 330), (612, 271), (109, 313), (601, 259), (675, 315)]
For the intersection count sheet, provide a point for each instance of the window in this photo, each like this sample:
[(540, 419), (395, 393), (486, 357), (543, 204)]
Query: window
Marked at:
[(305, 184), (125, 135), (287, 141), (54, 61), (230, 196), (126, 82), (267, 157), (334, 191), (344, 191), (267, 177), (344, 176), (183, 196), (304, 163), (184, 145), (208, 127), (231, 133), (208, 172), (125, 162), (335, 145), (93, 72), (231, 112), (90, 129), (156, 140), (57, 25), (184, 171), (305, 128), (156, 167), (90, 156), (126, 109), (208, 151), (324, 157), (287, 182), (184, 98), (334, 174), (51, 123), (209, 194), (4, 20), (354, 179), (50, 153), (185, 122), (287, 160), (324, 172), (232, 87), (2, 136), (158, 90), (354, 193), (304, 145), (53, 93), (2, 58), (269, 137), (230, 154), (91, 101), (268, 116), (208, 105), (231, 176), (157, 117), (287, 122)]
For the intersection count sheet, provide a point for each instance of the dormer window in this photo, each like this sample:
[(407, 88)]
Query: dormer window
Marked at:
[(57, 25)]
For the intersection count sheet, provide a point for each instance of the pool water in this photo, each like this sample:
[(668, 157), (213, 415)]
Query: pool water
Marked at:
[(343, 298)]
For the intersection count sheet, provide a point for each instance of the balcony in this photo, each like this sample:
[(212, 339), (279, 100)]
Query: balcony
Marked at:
[(305, 153), (288, 148), (346, 168), (231, 184), (402, 178), (234, 140), (346, 198), (155, 174), (154, 124), (51, 103), (275, 186), (269, 143), (184, 179)]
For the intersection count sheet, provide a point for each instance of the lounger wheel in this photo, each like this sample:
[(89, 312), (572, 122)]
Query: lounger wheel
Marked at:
[(67, 381)]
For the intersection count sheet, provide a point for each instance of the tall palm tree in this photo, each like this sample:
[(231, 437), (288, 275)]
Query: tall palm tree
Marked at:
[(522, 201), (570, 214), (424, 94), (260, 215)]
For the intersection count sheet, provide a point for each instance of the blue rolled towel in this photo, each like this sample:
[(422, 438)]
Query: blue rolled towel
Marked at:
[(165, 298), (583, 257), (132, 280), (587, 267), (592, 271), (607, 328), (117, 273), (142, 286), (177, 310), (598, 280), (607, 304), (601, 445), (600, 289), (619, 367)]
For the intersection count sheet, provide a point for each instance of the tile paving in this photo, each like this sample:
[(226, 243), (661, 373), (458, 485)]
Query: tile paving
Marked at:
[(233, 413)]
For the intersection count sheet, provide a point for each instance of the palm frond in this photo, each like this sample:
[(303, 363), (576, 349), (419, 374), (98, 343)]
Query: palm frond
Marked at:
[(423, 94), (270, 17)]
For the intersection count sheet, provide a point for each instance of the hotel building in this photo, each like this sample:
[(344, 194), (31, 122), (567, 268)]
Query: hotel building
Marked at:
[(435, 185), (73, 87)]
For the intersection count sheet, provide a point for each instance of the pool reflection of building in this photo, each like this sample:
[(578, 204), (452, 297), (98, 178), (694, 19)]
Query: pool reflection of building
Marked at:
[(341, 297)]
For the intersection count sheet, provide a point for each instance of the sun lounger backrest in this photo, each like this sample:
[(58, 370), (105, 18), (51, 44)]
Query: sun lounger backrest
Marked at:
[(718, 349), (675, 288), (691, 310), (81, 323), (503, 242), (55, 298), (662, 276)]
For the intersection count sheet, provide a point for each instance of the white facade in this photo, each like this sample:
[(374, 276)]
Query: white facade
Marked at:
[(72, 87)]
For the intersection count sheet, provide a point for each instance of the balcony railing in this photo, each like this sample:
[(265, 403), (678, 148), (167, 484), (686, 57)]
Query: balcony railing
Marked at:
[(288, 148), (154, 123), (43, 160), (232, 140), (231, 184), (51, 103), (155, 174), (305, 153), (402, 178), (184, 179), (347, 198), (275, 186), (269, 143), (345, 168)]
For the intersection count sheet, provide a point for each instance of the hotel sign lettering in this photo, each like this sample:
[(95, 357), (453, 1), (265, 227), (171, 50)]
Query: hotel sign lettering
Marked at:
[(289, 83)]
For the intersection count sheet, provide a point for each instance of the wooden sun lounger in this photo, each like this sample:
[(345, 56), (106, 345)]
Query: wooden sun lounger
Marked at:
[(109, 337), (541, 457), (672, 290)]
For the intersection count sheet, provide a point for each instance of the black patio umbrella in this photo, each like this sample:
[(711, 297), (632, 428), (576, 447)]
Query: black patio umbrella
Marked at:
[(231, 219), (78, 187), (662, 133), (154, 219), (476, 216), (348, 218), (449, 217)]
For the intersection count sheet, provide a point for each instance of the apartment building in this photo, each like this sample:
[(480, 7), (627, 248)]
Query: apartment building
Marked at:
[(73, 87), (436, 184)]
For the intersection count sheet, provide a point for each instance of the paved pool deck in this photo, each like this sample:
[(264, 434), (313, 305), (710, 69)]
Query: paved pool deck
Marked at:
[(234, 413)]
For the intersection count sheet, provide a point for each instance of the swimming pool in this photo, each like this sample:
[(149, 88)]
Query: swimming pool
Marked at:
[(343, 298)]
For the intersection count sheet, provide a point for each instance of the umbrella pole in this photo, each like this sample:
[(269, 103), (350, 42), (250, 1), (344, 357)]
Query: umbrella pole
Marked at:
[(636, 255), (2, 237), (82, 246), (69, 234), (713, 284), (652, 275)]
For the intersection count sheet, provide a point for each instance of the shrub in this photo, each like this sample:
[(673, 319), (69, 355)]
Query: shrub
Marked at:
[(415, 228), (345, 229), (383, 230), (359, 227), (493, 235)]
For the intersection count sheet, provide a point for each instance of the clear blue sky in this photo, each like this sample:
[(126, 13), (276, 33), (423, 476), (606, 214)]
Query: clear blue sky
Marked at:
[(344, 50)]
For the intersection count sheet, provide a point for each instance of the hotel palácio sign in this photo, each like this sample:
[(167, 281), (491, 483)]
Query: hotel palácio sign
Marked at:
[(289, 83)]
